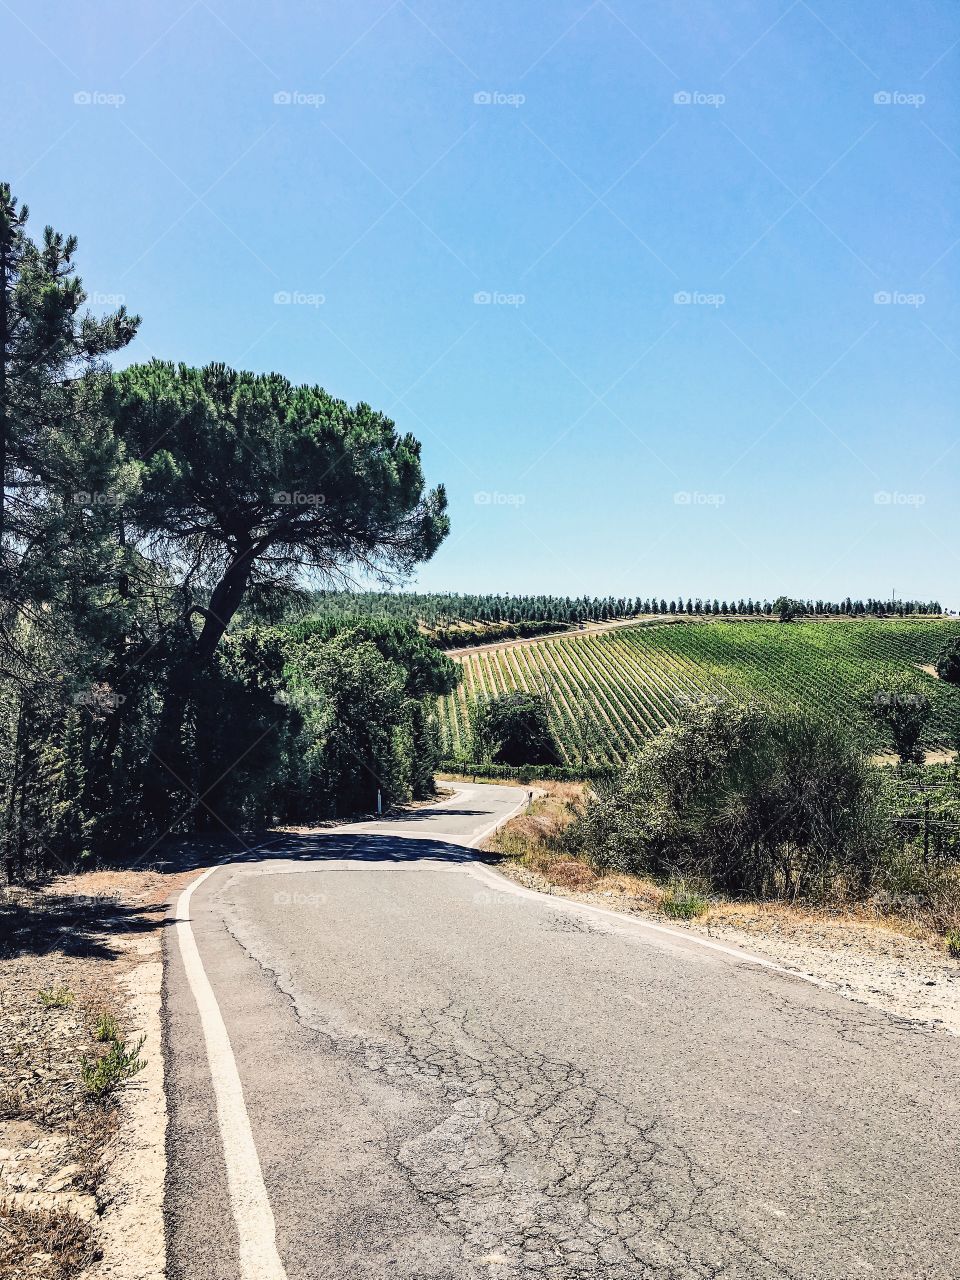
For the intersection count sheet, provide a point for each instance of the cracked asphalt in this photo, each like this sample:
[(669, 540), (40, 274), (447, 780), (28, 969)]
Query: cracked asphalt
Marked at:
[(448, 1076)]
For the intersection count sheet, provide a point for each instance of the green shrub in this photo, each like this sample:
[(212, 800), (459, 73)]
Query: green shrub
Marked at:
[(744, 798), (682, 903), (900, 706), (953, 943), (107, 1029), (948, 662), (514, 728), (104, 1075)]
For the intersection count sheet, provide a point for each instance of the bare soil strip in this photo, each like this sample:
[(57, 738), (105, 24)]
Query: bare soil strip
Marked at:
[(81, 1176)]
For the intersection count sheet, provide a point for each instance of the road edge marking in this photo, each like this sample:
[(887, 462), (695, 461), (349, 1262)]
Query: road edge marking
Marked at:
[(472, 844), (252, 1214), (504, 884)]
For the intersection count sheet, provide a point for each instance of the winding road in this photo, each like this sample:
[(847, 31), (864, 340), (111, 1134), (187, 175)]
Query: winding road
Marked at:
[(385, 1059)]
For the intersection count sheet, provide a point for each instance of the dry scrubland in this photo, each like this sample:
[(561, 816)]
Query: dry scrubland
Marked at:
[(887, 951)]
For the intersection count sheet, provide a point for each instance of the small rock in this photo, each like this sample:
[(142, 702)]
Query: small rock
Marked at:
[(62, 1180)]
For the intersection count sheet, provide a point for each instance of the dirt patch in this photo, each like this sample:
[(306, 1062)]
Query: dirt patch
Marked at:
[(81, 1176), (40, 1243), (929, 757)]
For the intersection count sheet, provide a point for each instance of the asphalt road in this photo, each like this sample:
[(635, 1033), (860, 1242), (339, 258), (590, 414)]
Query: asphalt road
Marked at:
[(446, 1076)]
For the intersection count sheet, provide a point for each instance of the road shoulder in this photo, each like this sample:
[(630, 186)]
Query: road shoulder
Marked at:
[(858, 958)]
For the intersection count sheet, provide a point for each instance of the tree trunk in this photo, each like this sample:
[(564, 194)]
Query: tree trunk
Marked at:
[(9, 821), (170, 769), (4, 340), (225, 601)]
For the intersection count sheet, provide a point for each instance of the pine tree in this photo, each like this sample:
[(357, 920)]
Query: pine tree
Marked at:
[(45, 339)]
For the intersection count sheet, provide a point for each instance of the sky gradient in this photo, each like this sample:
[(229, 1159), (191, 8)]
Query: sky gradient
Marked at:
[(667, 292)]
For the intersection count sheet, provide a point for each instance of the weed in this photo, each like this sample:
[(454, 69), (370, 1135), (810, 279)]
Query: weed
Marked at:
[(570, 873), (102, 1076), (107, 1029), (953, 944), (680, 902), (59, 998), (57, 1244)]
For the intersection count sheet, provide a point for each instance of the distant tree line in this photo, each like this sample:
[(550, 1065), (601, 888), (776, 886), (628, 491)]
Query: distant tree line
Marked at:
[(441, 611), (470, 633)]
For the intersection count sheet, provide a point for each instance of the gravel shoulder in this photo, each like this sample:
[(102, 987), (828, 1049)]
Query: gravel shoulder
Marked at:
[(866, 961)]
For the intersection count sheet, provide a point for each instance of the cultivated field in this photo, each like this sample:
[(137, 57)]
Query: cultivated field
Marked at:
[(608, 691)]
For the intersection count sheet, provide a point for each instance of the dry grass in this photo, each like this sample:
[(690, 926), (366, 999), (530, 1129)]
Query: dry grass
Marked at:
[(534, 840), (925, 907), (43, 1245)]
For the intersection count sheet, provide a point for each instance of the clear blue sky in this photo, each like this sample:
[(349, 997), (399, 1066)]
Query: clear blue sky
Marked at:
[(584, 188)]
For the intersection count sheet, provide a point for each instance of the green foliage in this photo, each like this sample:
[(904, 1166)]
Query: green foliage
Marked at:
[(58, 998), (608, 693), (514, 729), (899, 704), (140, 512), (428, 673), (351, 700), (948, 662), (519, 773), (740, 797), (104, 1074), (788, 609), (107, 1029), (249, 480), (463, 635), (457, 612), (680, 902), (63, 605), (260, 478)]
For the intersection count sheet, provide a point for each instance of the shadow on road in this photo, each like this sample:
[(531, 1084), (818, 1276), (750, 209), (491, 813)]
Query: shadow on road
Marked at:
[(440, 811), (63, 917), (364, 847)]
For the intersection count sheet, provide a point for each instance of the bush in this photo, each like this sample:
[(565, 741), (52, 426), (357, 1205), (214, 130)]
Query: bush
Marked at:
[(743, 798), (682, 903), (514, 728), (104, 1075), (788, 609), (899, 705), (948, 663), (525, 773)]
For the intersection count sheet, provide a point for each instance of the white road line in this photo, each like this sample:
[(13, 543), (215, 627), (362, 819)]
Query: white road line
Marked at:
[(500, 821), (256, 1230), (630, 924)]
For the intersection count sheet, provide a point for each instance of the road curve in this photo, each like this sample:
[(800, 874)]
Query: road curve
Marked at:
[(440, 1075)]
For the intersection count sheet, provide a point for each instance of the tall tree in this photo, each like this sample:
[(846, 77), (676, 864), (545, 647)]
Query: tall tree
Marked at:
[(249, 479), (47, 341), (58, 550)]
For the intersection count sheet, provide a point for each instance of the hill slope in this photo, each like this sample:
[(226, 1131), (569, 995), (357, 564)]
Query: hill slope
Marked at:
[(608, 691)]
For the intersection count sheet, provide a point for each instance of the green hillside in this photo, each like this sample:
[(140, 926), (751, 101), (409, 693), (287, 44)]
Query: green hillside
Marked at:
[(608, 691)]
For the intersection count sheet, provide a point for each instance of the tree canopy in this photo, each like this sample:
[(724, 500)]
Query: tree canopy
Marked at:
[(247, 477), (514, 728)]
